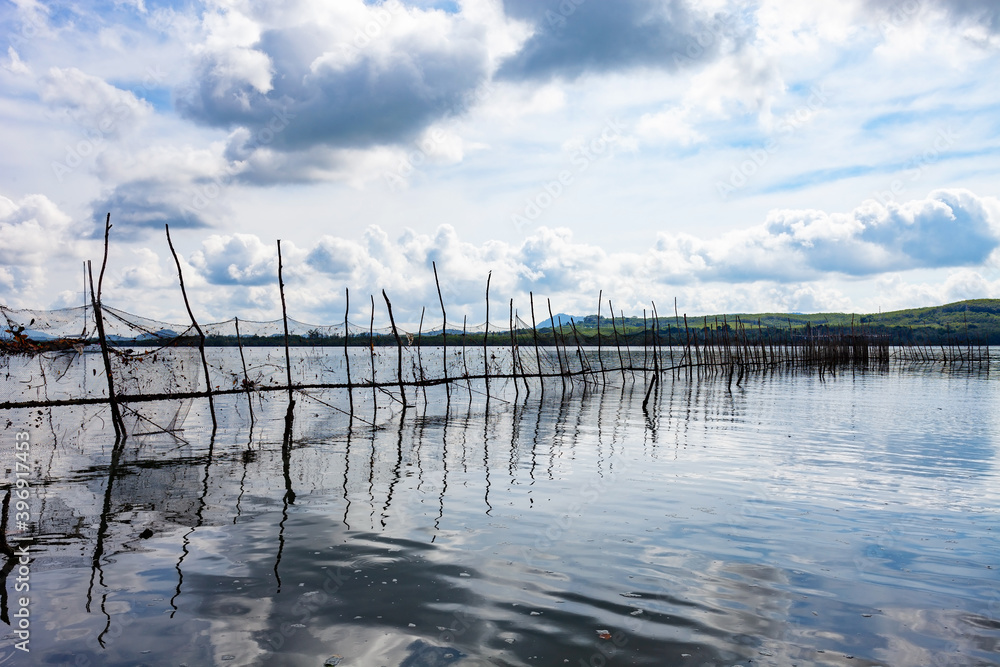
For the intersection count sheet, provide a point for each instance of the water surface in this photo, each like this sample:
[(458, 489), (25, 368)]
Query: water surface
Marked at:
[(796, 519)]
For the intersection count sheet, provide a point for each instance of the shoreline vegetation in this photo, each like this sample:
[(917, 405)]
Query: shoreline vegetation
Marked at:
[(974, 321)]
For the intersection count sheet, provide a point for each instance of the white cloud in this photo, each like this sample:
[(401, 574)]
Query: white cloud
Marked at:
[(240, 259), (672, 125), (229, 37), (34, 234), (14, 63), (93, 103), (779, 265), (948, 228)]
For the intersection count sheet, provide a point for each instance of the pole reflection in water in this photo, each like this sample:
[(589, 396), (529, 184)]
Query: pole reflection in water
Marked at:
[(787, 519)]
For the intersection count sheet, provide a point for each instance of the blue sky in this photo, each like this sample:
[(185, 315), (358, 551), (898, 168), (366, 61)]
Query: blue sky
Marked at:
[(740, 155)]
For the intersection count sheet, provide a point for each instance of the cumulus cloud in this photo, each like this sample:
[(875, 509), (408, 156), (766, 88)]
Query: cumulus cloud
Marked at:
[(949, 228), (181, 186), (344, 75), (14, 63), (984, 13), (239, 259), (93, 103), (34, 232), (776, 265), (573, 38)]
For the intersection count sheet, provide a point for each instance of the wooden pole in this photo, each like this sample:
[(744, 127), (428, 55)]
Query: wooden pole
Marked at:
[(520, 361), (552, 322), (513, 352), (399, 351), (288, 354), (600, 358), (347, 356), (584, 366), (420, 359), (614, 326), (95, 297), (657, 343), (371, 345), (534, 331), (486, 336), (628, 348), (444, 333), (194, 322), (246, 378)]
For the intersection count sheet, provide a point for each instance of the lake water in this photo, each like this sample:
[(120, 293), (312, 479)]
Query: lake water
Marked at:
[(849, 519)]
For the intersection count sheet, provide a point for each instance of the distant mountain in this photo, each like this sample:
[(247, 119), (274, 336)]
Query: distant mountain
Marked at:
[(561, 318)]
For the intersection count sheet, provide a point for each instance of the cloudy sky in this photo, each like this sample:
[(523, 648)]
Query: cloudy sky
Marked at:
[(739, 155)]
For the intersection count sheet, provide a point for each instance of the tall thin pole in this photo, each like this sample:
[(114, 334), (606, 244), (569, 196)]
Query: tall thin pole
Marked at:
[(399, 351), (513, 351), (486, 336), (194, 323), (347, 356), (444, 333), (534, 331), (600, 357), (116, 416), (618, 345), (552, 322), (284, 319), (246, 378)]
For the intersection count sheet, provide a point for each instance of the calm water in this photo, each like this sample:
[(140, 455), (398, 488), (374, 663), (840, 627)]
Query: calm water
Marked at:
[(848, 520)]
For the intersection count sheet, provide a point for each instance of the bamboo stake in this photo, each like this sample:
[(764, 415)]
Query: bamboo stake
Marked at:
[(628, 348), (600, 357), (614, 326), (565, 351), (371, 346), (534, 332), (465, 360), (552, 323), (584, 365), (420, 361), (520, 361), (399, 351), (645, 347), (444, 332), (194, 322), (513, 351), (347, 356), (486, 336), (246, 378), (288, 355), (95, 297), (658, 341)]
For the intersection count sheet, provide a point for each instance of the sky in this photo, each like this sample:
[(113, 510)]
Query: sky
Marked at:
[(734, 155)]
